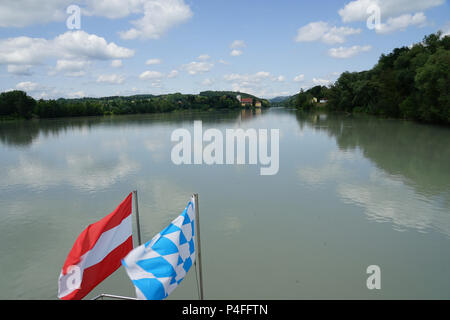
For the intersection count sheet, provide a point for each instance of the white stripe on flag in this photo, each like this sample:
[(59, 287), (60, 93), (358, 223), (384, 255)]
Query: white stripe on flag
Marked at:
[(106, 243)]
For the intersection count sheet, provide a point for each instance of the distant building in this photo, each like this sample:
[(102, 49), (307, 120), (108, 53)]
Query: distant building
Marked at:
[(258, 104), (323, 100), (314, 100), (246, 102)]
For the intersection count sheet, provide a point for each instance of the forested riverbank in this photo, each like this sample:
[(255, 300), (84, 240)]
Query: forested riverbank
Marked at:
[(17, 104), (409, 83)]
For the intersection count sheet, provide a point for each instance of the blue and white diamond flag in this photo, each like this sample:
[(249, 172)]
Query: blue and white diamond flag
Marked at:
[(157, 267)]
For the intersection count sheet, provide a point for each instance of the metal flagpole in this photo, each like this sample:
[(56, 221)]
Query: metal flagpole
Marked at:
[(199, 252), (137, 216), (112, 296), (136, 209)]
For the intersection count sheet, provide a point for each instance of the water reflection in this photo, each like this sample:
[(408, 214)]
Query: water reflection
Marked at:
[(248, 114), (96, 152), (409, 184), (339, 176), (79, 171), (24, 133)]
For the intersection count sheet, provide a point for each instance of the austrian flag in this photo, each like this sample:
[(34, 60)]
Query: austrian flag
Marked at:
[(97, 253)]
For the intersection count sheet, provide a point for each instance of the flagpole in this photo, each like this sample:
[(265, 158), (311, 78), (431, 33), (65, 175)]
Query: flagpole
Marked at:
[(136, 209), (199, 252), (112, 296)]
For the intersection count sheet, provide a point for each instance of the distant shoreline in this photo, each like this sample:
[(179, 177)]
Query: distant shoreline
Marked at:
[(18, 105)]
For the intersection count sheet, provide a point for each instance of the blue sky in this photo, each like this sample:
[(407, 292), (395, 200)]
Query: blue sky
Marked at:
[(267, 48)]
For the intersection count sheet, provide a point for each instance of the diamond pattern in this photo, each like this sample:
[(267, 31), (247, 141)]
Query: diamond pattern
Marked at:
[(157, 267)]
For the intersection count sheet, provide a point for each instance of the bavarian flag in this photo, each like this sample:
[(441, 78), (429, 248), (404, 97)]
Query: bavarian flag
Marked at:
[(157, 267)]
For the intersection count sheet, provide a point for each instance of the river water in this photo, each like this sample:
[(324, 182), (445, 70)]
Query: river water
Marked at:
[(351, 192)]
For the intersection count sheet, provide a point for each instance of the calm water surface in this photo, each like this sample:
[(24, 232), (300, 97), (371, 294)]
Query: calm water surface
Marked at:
[(351, 192)]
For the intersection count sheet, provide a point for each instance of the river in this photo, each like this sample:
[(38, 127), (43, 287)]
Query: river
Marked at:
[(351, 192)]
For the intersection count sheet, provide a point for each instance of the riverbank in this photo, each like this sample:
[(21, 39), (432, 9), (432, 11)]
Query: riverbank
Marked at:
[(18, 104), (410, 83)]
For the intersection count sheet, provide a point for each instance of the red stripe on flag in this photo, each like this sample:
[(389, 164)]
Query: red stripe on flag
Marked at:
[(87, 239), (92, 276)]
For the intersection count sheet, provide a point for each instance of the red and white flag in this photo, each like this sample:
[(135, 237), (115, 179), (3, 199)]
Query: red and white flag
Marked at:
[(96, 253)]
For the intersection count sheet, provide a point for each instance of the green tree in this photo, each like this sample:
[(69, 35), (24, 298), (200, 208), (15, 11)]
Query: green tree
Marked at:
[(16, 103), (433, 82)]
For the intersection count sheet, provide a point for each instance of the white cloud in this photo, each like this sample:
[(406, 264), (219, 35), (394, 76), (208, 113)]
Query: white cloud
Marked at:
[(236, 53), (172, 74), (262, 74), (337, 35), (257, 77), (21, 13), (207, 82), (157, 83), (80, 43), (77, 45), (21, 70), (223, 62), (259, 90), (321, 31), (203, 57), (117, 63), (233, 77), (195, 67), (75, 73), (71, 65), (24, 50), (153, 61), (146, 75), (402, 22), (76, 94), (238, 44), (71, 68), (321, 82), (257, 83), (357, 10), (313, 31), (159, 17), (299, 78), (111, 78), (113, 9), (28, 86), (347, 52)]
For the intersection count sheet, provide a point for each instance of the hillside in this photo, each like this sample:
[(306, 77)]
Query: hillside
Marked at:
[(303, 99), (279, 99), (408, 83), (17, 104)]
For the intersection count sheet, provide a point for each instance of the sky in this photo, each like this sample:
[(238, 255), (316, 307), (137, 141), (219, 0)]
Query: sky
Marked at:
[(97, 48)]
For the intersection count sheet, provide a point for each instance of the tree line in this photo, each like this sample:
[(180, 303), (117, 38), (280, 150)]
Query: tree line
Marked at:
[(17, 104), (410, 83), (307, 100)]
